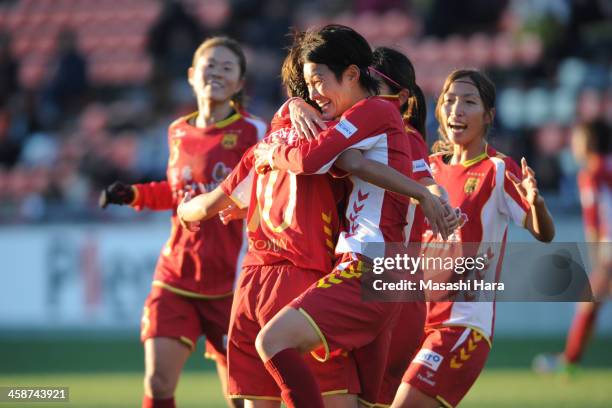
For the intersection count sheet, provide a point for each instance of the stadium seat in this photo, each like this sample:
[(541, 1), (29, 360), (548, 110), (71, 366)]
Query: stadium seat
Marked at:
[(537, 106), (511, 108), (479, 50)]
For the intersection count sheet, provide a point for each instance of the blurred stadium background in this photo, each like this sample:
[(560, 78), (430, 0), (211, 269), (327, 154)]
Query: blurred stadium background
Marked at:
[(88, 88)]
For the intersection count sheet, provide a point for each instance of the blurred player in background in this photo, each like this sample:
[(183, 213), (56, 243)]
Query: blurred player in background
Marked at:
[(330, 313), (592, 148), (194, 278), (490, 190)]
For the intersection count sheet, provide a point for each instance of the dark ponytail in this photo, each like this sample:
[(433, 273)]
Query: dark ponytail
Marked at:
[(397, 67)]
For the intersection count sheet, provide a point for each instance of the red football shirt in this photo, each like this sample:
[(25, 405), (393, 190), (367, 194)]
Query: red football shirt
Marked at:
[(595, 184), (420, 170), (291, 219), (202, 263), (373, 215), (488, 201)]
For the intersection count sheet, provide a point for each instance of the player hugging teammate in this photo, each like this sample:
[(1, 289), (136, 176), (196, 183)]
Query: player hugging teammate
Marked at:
[(342, 167)]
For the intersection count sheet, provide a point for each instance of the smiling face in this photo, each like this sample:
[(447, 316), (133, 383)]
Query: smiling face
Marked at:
[(216, 74), (463, 115), (332, 96)]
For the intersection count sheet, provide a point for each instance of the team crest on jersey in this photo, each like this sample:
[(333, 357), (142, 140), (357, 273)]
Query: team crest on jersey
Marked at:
[(470, 185), (229, 140)]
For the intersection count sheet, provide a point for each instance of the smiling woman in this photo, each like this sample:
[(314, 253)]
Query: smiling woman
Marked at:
[(193, 284)]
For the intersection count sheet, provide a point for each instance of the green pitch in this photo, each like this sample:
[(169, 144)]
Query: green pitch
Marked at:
[(496, 388), (107, 372)]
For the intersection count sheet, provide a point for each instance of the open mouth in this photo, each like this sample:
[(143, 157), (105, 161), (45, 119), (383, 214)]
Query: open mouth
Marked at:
[(457, 127), (215, 84)]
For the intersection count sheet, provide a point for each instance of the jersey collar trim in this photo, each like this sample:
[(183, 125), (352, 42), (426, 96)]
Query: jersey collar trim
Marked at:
[(228, 121), (475, 160)]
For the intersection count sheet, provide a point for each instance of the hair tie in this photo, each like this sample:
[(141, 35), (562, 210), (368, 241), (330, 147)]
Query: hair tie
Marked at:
[(393, 82)]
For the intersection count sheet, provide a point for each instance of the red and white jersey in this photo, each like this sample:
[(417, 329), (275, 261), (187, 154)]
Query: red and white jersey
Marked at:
[(373, 215), (190, 262), (292, 219), (488, 201), (595, 184), (420, 170)]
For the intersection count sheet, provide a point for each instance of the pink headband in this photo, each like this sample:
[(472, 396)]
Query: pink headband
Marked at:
[(372, 69)]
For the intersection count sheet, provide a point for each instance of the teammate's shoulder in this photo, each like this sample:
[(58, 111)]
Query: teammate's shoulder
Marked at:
[(256, 122), (182, 120), (380, 103), (509, 162)]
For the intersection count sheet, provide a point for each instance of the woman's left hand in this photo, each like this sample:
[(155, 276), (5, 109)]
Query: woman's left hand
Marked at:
[(528, 186)]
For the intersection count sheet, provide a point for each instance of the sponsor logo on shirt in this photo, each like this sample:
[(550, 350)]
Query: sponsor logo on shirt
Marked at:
[(429, 359), (420, 165), (220, 172), (346, 128), (229, 140)]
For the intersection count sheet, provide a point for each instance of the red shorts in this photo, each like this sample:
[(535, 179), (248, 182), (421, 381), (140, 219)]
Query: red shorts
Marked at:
[(334, 307), (261, 293), (407, 337), (167, 314), (448, 363)]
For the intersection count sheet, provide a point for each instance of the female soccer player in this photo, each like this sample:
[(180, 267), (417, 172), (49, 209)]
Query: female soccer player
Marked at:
[(291, 246), (490, 190), (593, 151), (335, 67), (396, 77), (194, 278), (398, 84)]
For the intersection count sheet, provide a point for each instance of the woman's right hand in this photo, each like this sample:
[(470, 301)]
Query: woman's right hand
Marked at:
[(435, 212), (232, 213), (305, 119), (185, 208)]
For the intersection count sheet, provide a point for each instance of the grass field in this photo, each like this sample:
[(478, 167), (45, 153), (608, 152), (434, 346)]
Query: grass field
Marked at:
[(496, 388), (108, 373)]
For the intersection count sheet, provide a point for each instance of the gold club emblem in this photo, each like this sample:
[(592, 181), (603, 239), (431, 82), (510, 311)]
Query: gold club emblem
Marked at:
[(229, 140), (470, 185)]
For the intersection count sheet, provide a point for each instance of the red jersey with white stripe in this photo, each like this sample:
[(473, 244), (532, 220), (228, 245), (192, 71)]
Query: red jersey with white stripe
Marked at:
[(488, 201), (203, 263), (595, 184), (291, 219), (420, 170), (375, 127)]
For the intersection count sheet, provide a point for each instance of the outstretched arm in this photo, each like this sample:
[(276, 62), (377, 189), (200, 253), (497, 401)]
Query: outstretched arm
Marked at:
[(192, 211)]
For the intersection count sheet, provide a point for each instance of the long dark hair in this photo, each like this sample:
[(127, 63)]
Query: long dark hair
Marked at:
[(399, 68), (238, 98), (486, 91), (292, 76), (338, 47)]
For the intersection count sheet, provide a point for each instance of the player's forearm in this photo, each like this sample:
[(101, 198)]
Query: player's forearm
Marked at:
[(434, 188), (542, 224), (204, 206), (388, 178)]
